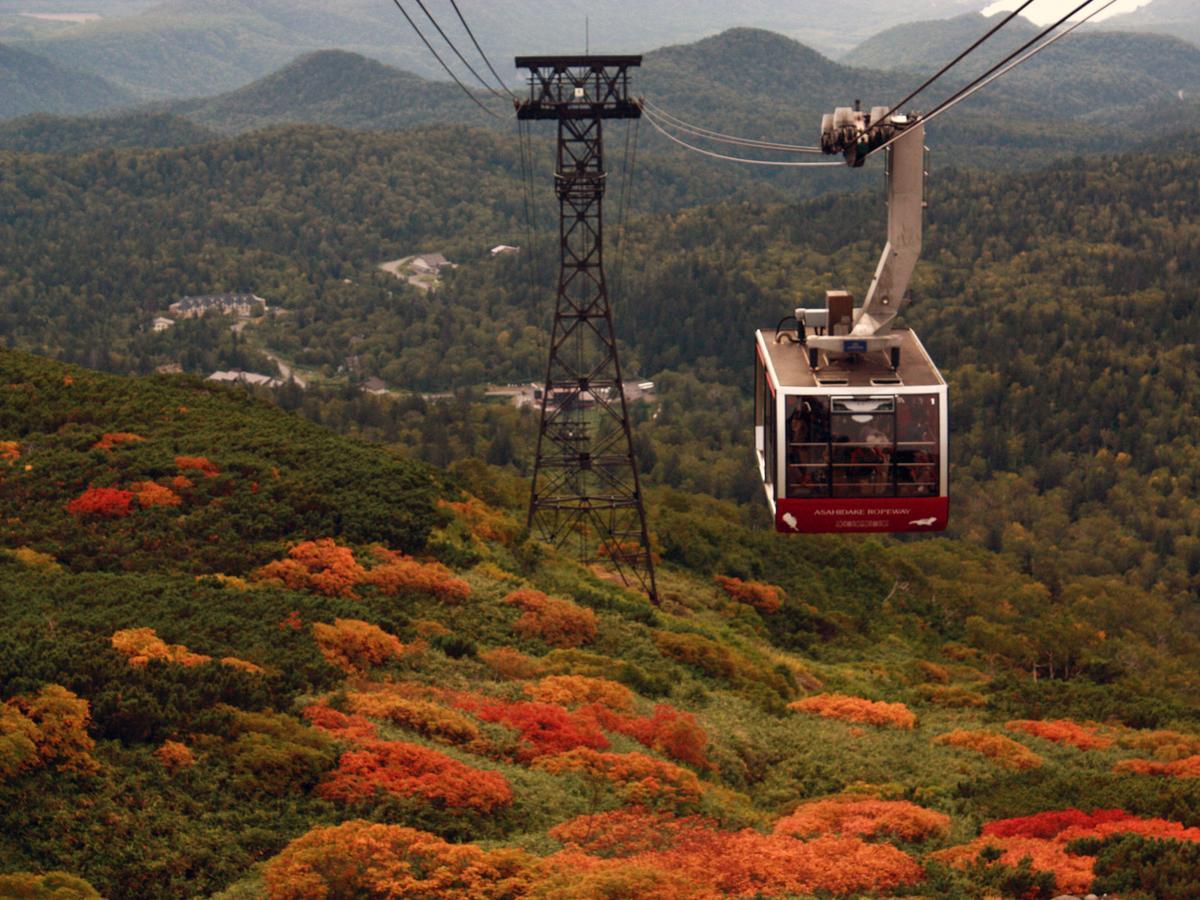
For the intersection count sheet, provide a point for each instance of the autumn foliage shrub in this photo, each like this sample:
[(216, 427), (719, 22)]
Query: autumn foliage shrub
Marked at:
[(952, 695), (1072, 874), (626, 832), (578, 690), (46, 886), (1178, 768), (667, 730), (557, 622), (397, 572), (864, 817), (151, 494), (10, 451), (1165, 745), (355, 646), (199, 464), (856, 709), (996, 747), (544, 728), (175, 757), (637, 778), (368, 859), (765, 598), (46, 728), (102, 503), (115, 439), (338, 724), (511, 664), (141, 645), (1062, 731), (321, 566), (422, 716), (483, 521), (409, 770)]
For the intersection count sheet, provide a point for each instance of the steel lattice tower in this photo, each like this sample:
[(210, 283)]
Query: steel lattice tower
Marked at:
[(586, 490)]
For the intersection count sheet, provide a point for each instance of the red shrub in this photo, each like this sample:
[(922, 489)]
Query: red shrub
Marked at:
[(670, 731), (339, 725), (627, 832), (1179, 768), (763, 597), (409, 770), (545, 728), (102, 503), (1072, 874), (638, 778), (1046, 825)]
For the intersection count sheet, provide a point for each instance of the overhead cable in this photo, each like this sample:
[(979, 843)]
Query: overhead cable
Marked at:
[(487, 62), (680, 125), (740, 159), (1005, 66), (954, 62), (449, 71), (462, 59)]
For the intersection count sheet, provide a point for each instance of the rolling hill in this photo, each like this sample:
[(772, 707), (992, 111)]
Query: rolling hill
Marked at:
[(1091, 74), (31, 83), (181, 49), (1172, 17), (59, 134)]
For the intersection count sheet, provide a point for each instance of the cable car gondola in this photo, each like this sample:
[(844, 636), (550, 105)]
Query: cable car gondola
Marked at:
[(850, 411)]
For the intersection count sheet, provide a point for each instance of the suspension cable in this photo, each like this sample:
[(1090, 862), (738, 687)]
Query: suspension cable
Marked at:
[(740, 159), (679, 124), (954, 62), (462, 59), (449, 71), (483, 56), (1006, 65)]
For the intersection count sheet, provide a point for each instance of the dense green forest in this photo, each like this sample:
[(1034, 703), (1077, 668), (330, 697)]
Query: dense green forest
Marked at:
[(219, 664)]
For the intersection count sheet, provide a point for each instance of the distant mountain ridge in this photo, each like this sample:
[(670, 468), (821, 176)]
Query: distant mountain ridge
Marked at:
[(31, 83), (59, 134)]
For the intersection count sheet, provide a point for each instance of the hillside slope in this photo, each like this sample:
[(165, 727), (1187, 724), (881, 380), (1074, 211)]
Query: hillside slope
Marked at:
[(60, 134), (229, 663), (32, 83)]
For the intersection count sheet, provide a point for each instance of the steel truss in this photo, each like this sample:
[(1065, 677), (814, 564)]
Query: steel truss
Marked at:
[(586, 491)]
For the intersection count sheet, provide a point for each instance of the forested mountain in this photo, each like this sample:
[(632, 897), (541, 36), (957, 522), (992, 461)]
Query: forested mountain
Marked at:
[(333, 87), (1174, 17), (32, 83), (182, 49), (1089, 74), (58, 134), (241, 654)]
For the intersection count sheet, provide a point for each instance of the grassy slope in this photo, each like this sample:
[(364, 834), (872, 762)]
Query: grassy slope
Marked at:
[(863, 617)]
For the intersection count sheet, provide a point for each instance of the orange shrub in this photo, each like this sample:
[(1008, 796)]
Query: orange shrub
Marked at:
[(150, 494), (47, 727), (175, 757), (409, 770), (765, 598), (235, 663), (557, 622), (576, 690), (697, 650), (101, 503), (355, 646), (626, 832), (996, 747), (1063, 731), (427, 718), (182, 483), (398, 572), (367, 859), (1168, 745), (574, 876), (856, 709), (864, 817), (429, 628), (483, 521), (1072, 874), (933, 672), (510, 663), (1179, 768), (141, 645), (10, 451), (116, 438), (321, 566), (338, 724), (638, 778), (199, 464)]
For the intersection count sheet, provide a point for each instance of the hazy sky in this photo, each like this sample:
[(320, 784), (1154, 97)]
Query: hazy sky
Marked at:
[(1043, 12)]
